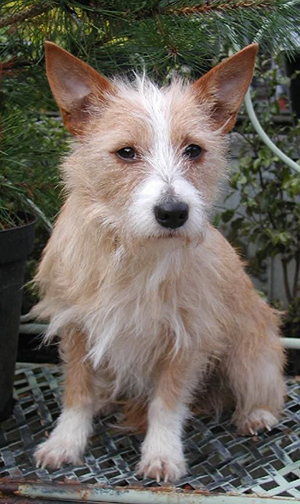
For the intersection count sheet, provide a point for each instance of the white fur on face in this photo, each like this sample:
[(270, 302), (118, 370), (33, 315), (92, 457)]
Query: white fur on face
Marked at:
[(165, 179), (155, 190)]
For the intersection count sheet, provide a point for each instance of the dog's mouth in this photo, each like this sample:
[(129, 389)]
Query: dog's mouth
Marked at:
[(170, 234)]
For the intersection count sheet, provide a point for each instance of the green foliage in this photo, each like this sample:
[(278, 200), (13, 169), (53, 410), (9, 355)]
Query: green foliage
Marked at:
[(268, 211), (32, 142), (157, 35)]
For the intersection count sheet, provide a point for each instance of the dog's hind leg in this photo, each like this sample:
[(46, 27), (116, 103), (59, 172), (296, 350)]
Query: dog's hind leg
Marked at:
[(68, 440), (255, 370)]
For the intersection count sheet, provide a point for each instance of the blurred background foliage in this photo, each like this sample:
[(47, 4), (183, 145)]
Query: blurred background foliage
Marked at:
[(163, 37)]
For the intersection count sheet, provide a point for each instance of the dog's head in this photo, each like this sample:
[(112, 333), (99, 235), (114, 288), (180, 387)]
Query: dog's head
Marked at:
[(148, 161)]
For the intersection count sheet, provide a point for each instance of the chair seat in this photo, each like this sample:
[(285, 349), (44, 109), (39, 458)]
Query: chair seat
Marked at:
[(221, 463)]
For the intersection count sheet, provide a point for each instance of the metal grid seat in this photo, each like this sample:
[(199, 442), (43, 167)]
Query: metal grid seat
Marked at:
[(220, 461)]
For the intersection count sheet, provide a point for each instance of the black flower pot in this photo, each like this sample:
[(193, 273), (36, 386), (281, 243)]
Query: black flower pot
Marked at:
[(15, 245)]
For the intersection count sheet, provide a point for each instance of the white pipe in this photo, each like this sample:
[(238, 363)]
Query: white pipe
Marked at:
[(33, 328), (27, 317), (264, 137), (291, 343)]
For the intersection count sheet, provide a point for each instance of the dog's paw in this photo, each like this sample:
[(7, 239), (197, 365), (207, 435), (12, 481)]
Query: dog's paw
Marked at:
[(55, 452), (162, 468), (257, 421)]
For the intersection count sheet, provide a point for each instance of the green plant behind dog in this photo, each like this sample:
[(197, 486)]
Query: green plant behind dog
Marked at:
[(268, 212)]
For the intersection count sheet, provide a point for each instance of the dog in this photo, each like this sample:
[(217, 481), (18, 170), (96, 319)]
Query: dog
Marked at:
[(150, 301)]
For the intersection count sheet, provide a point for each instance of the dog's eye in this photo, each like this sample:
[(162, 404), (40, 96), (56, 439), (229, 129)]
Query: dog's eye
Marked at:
[(127, 153), (193, 151)]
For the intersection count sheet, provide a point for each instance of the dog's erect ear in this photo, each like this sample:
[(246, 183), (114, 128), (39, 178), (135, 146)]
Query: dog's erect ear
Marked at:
[(75, 86), (225, 86)]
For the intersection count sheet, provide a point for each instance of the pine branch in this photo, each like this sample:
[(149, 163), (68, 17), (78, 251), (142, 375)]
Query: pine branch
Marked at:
[(157, 35), (217, 6), (23, 15)]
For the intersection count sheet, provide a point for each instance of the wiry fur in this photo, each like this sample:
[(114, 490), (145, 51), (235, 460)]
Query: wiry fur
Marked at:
[(142, 311)]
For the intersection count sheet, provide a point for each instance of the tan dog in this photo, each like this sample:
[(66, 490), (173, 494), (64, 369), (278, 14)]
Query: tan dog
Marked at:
[(148, 298)]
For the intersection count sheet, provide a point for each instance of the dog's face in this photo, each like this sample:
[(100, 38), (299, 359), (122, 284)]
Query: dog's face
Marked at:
[(148, 160)]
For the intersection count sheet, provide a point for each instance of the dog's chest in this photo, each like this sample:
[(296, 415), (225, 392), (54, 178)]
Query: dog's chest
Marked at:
[(140, 318), (135, 313), (134, 337)]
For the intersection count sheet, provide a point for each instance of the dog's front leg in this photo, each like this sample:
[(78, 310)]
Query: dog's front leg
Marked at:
[(162, 450), (68, 440)]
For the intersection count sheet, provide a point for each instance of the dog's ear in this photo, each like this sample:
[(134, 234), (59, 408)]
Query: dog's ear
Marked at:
[(225, 86), (75, 86)]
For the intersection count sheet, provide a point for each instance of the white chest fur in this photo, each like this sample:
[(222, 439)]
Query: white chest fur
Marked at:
[(142, 312)]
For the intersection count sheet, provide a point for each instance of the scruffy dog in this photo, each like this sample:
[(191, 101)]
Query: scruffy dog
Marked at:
[(150, 301)]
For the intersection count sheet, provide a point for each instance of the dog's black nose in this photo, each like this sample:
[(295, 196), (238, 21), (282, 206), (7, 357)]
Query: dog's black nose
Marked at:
[(171, 214)]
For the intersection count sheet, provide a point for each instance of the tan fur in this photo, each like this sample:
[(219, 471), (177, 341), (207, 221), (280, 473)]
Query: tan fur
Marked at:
[(78, 383), (147, 315), (225, 102), (73, 106)]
